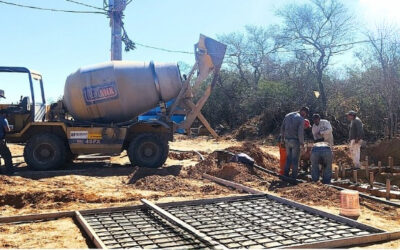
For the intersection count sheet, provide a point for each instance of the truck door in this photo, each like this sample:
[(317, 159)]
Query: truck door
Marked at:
[(39, 98)]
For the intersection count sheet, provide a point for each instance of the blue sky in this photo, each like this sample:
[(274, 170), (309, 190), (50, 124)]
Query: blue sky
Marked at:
[(57, 44)]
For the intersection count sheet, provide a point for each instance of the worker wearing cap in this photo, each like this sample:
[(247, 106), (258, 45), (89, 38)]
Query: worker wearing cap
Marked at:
[(4, 150), (292, 134), (322, 130), (321, 154), (356, 134)]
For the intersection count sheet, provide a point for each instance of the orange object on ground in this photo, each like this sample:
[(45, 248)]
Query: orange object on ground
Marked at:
[(282, 160), (349, 203)]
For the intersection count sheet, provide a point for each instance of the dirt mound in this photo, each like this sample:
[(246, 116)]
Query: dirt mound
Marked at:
[(261, 158), (177, 155), (249, 130), (342, 155), (260, 126), (381, 151), (312, 193), (163, 183)]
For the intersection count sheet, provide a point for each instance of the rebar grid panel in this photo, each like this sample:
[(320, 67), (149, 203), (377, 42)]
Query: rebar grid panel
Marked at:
[(263, 223), (139, 228)]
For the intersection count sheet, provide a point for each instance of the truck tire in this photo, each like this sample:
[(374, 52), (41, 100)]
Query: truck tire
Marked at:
[(148, 150), (45, 152)]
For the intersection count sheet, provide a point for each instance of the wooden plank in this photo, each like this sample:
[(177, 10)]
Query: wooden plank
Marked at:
[(203, 120), (178, 222), (354, 241), (90, 232), (183, 91), (35, 217), (232, 184)]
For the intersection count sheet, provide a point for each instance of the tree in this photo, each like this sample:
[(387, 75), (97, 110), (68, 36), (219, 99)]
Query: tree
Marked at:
[(315, 33), (250, 52), (382, 56)]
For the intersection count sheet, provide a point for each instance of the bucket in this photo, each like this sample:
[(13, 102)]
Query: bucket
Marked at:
[(349, 204)]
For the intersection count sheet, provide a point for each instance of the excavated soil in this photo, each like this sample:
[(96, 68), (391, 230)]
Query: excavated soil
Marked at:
[(381, 151), (342, 155), (261, 158), (312, 194), (176, 155)]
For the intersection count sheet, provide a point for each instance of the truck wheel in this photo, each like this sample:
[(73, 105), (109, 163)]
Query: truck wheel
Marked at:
[(148, 150), (44, 152)]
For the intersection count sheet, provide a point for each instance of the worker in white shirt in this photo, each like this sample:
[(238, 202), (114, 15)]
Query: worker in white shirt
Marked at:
[(322, 130)]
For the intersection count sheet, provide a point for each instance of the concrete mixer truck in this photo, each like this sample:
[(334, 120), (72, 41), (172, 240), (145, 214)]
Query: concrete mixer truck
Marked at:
[(98, 112)]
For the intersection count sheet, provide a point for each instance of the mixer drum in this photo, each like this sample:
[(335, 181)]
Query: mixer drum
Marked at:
[(119, 91)]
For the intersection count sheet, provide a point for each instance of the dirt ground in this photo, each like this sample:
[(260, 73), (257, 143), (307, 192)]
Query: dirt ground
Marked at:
[(85, 185)]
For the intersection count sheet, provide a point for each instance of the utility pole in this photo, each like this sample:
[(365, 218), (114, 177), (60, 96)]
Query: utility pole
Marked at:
[(116, 8)]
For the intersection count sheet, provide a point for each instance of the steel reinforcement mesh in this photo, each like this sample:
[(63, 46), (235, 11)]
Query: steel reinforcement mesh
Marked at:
[(249, 222), (139, 228)]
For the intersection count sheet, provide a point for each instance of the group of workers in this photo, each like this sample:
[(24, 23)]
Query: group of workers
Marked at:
[(292, 137)]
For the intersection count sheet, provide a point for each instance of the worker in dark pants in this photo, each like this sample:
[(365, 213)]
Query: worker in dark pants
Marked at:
[(292, 134), (321, 154), (4, 150)]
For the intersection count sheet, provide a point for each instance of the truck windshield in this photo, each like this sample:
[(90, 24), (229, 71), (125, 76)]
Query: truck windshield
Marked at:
[(15, 86)]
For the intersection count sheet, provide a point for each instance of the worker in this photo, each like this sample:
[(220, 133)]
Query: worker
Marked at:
[(321, 154), (356, 134), (4, 150), (322, 130), (292, 134)]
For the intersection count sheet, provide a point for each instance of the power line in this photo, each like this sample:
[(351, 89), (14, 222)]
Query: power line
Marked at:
[(55, 10), (163, 49), (287, 51), (84, 4)]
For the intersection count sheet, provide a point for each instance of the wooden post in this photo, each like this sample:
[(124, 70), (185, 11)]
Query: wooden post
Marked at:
[(343, 172), (391, 163), (355, 176), (336, 174), (380, 166), (387, 189), (367, 160), (366, 171), (371, 179)]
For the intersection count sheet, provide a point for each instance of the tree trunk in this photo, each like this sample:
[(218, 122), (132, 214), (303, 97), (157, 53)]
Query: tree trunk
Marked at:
[(322, 93)]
